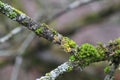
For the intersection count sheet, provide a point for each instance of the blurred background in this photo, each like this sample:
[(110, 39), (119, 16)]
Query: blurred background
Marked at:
[(24, 56)]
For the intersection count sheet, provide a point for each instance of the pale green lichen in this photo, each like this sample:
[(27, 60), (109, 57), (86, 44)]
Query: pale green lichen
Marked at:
[(18, 11)]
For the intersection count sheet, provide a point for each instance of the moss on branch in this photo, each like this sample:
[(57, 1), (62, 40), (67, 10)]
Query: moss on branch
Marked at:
[(84, 55), (88, 54)]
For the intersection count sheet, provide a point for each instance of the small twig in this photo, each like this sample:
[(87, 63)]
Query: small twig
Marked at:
[(9, 35), (16, 68)]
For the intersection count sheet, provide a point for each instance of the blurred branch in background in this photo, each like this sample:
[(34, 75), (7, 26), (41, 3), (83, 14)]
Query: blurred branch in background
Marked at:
[(6, 52), (70, 7), (11, 34), (19, 59)]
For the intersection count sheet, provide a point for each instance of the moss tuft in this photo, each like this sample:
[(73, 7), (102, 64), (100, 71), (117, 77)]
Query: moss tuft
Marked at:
[(88, 53), (87, 50), (72, 58), (107, 69)]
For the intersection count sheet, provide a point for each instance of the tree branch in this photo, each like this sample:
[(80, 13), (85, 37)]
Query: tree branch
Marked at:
[(82, 56), (65, 67)]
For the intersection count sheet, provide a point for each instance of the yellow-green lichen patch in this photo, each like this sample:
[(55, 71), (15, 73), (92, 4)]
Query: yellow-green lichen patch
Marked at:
[(68, 44), (18, 11)]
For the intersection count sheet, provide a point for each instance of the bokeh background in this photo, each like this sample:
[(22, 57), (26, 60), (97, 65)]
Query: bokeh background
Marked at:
[(94, 22)]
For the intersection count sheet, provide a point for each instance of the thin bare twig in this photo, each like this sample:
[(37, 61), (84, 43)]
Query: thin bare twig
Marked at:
[(9, 35), (73, 5), (19, 59)]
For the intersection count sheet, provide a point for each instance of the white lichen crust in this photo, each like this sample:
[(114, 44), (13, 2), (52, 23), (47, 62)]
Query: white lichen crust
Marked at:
[(65, 67)]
